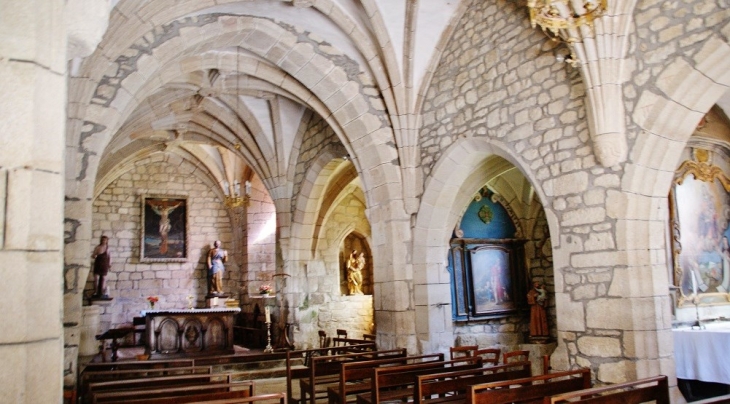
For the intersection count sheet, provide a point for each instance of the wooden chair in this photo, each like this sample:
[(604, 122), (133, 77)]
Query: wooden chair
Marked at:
[(139, 324), (368, 337), (341, 334), (517, 356), (489, 355), (323, 340), (462, 351)]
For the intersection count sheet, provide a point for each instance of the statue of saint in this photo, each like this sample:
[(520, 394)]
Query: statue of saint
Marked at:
[(355, 265), (102, 263), (537, 299), (216, 257)]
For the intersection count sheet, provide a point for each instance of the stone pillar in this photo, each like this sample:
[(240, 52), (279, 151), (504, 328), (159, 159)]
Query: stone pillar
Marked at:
[(32, 76), (88, 345)]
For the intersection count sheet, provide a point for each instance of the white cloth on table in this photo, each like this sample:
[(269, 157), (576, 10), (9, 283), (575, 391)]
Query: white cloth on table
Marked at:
[(701, 354)]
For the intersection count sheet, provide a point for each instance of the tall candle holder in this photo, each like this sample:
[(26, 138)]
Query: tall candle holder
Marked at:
[(269, 348)]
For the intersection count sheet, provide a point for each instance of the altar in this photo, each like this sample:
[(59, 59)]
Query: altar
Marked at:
[(699, 353), (189, 332)]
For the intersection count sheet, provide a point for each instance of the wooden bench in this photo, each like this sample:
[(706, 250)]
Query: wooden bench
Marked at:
[(271, 398), (296, 371), (157, 382), (153, 364), (396, 383), (529, 390), (324, 371), (175, 395), (640, 391), (354, 377), (88, 377), (451, 387)]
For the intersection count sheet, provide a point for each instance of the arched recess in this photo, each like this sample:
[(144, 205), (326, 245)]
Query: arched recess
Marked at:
[(461, 171), (356, 243)]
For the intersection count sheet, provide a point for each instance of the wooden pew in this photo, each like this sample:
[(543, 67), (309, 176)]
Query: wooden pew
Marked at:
[(88, 377), (296, 371), (156, 382), (324, 371), (153, 364), (395, 383), (354, 377), (529, 390), (176, 395), (640, 391), (272, 398), (451, 387)]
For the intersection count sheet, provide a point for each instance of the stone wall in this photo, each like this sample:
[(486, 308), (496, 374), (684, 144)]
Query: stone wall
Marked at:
[(117, 214)]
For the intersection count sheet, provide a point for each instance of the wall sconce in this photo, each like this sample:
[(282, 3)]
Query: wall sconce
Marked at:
[(235, 199)]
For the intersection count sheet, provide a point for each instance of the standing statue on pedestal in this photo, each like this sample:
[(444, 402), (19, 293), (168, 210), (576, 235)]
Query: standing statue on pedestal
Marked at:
[(216, 257), (102, 263), (355, 265), (537, 299)]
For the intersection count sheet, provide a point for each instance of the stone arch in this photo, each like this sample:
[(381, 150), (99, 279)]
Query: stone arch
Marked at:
[(460, 171), (666, 120), (105, 102)]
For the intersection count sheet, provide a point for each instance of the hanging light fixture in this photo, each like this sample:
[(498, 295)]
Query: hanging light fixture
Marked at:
[(562, 20), (235, 199)]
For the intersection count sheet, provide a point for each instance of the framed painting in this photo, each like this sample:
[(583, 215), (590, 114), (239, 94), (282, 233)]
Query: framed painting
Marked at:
[(489, 278), (700, 214), (164, 229)]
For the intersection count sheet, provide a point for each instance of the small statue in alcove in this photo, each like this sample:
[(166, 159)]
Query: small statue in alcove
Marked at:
[(537, 299), (355, 265)]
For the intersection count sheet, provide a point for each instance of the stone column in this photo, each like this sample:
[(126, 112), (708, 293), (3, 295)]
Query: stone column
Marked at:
[(32, 76)]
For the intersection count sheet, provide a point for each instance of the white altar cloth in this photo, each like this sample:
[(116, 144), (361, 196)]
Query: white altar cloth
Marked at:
[(702, 354), (187, 311)]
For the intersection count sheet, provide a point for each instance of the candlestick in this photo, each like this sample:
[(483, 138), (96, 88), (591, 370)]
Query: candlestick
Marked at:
[(268, 315), (694, 283)]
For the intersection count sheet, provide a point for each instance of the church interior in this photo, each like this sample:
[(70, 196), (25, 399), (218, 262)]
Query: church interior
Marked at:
[(424, 174)]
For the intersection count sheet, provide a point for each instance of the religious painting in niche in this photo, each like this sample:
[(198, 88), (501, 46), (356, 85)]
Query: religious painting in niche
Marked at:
[(164, 229), (700, 213), (488, 278), (491, 279)]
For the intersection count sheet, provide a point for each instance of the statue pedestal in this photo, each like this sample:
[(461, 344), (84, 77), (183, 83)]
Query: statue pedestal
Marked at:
[(216, 300), (88, 346), (537, 352)]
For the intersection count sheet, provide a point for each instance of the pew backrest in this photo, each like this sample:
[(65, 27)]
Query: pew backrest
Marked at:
[(456, 383), (271, 398), (174, 395), (529, 390), (325, 364), (88, 377), (400, 379), (355, 376), (159, 382), (131, 365), (650, 389)]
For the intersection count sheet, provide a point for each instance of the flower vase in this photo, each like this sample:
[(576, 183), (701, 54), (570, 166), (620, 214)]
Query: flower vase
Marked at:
[(152, 305)]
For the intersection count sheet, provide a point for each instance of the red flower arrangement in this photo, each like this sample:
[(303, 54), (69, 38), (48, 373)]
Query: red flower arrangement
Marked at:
[(152, 300)]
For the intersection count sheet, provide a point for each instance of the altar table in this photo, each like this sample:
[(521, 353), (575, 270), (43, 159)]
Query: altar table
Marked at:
[(189, 332), (701, 354)]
